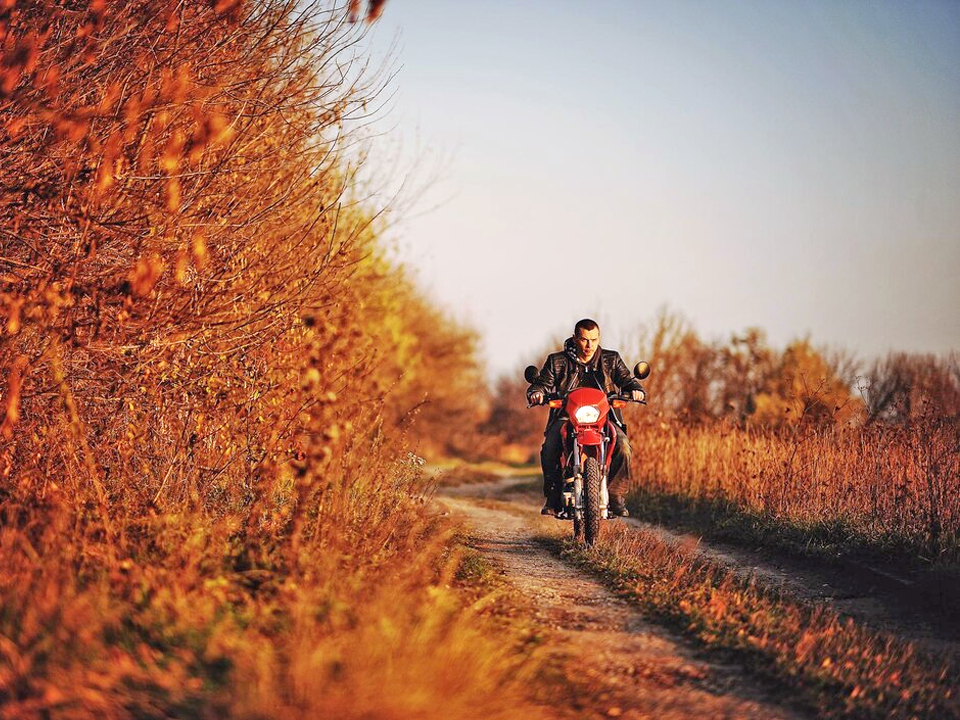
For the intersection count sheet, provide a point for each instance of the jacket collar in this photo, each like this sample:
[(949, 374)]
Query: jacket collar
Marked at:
[(570, 348)]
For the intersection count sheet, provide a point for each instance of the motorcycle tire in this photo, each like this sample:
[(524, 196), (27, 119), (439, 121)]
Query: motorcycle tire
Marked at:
[(592, 507)]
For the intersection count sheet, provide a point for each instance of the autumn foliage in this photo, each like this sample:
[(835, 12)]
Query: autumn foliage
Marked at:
[(210, 371), (838, 450)]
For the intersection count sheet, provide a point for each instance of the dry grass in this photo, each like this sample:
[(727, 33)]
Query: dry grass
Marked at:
[(802, 444), (214, 616), (458, 472), (210, 370), (892, 488), (836, 667)]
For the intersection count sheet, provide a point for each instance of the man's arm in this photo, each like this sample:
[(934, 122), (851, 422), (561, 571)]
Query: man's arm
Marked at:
[(545, 383), (623, 378)]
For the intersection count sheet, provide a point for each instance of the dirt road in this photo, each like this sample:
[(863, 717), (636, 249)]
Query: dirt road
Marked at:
[(878, 599), (629, 667)]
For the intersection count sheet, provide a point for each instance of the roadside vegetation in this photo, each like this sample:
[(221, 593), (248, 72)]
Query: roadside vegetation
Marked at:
[(807, 452), (210, 374), (801, 448), (830, 665), (216, 390)]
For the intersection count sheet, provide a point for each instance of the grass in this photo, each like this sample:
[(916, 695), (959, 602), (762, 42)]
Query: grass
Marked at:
[(209, 370), (890, 494), (197, 625), (722, 520), (936, 587), (454, 472), (834, 666)]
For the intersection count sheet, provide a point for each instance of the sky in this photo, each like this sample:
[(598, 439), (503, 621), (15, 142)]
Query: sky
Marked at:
[(788, 165)]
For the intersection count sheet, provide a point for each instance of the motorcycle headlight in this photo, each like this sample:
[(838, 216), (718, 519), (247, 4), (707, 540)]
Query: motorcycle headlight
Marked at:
[(587, 414)]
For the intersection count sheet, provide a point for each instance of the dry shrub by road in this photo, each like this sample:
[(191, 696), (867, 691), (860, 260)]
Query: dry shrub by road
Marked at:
[(209, 368), (892, 489)]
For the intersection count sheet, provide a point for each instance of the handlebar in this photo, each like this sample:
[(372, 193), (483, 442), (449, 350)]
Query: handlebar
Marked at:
[(546, 400), (610, 398)]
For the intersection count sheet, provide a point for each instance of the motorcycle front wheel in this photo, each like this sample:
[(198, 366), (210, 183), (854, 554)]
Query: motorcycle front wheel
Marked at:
[(592, 507)]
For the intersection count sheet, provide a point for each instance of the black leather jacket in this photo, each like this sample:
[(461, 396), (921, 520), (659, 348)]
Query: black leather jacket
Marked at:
[(562, 372)]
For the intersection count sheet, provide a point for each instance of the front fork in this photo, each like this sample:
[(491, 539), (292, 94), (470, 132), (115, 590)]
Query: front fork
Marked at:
[(573, 487)]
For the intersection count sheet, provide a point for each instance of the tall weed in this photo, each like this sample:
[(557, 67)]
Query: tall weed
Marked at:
[(209, 370)]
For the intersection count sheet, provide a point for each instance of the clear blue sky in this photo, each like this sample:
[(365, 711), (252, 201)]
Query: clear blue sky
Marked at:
[(793, 165)]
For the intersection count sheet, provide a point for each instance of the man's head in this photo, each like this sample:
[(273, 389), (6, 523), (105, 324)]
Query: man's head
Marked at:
[(586, 334)]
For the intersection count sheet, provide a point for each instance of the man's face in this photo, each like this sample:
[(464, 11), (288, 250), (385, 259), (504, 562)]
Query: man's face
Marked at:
[(587, 343)]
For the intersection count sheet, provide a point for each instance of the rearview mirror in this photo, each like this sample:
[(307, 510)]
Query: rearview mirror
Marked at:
[(642, 370), (530, 374)]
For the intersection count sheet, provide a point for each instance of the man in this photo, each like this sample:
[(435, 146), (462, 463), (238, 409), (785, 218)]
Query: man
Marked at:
[(582, 363)]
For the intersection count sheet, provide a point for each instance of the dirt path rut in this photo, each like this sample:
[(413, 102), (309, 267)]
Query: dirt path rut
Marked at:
[(632, 668)]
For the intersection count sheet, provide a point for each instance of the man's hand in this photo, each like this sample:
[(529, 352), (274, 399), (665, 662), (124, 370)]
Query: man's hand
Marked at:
[(536, 398), (639, 395)]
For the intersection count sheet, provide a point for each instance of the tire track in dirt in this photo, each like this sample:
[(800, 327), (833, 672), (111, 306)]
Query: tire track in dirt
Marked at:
[(630, 667)]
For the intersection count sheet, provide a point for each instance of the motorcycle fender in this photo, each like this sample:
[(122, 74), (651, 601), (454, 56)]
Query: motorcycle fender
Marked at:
[(590, 436)]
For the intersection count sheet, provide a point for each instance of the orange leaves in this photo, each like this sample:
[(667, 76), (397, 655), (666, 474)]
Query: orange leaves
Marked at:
[(172, 23), (170, 160), (172, 194), (180, 266), (14, 306), (109, 163), (374, 10), (17, 62), (96, 10), (199, 250), (12, 396), (49, 81), (176, 85), (136, 113), (14, 126), (185, 142), (71, 125), (203, 135), (197, 254), (231, 9), (211, 129), (145, 274)]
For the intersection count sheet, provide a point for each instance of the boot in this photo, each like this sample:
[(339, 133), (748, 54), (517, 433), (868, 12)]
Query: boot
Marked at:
[(551, 503), (618, 507)]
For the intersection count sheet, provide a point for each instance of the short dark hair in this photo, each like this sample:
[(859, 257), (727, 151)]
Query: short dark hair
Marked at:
[(585, 324)]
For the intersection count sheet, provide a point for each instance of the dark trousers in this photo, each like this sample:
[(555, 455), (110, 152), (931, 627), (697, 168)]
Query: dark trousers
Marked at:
[(619, 476)]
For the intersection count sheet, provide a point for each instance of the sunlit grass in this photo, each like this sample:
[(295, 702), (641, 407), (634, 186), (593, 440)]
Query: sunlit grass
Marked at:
[(892, 491), (210, 370), (834, 666)]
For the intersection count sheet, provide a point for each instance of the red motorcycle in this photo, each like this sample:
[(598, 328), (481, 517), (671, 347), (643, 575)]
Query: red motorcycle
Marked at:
[(588, 440)]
